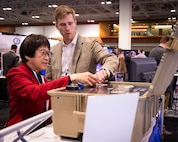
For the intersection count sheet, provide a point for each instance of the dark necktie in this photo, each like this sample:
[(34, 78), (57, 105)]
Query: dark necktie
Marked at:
[(39, 78)]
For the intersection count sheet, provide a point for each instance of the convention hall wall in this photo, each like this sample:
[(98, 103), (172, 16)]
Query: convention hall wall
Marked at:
[(89, 30)]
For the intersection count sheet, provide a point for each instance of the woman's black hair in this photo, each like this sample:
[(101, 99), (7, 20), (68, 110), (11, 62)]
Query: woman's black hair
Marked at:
[(30, 44)]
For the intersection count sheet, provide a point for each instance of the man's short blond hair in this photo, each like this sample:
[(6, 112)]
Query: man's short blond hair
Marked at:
[(62, 11)]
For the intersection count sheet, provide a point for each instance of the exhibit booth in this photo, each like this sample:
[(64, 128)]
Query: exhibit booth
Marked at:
[(133, 103), (69, 105)]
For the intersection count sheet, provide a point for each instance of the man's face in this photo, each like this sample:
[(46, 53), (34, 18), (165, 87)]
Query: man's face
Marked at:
[(67, 27)]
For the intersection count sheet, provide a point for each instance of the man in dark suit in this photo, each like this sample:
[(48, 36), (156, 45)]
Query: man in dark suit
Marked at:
[(10, 59)]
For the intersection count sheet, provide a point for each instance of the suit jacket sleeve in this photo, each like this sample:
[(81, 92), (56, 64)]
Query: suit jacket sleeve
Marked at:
[(107, 60), (27, 97), (24, 84)]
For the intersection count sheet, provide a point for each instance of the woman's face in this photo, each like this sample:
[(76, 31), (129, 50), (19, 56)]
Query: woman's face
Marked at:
[(40, 59)]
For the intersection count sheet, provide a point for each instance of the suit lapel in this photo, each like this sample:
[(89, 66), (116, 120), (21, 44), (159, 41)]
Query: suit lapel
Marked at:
[(57, 60), (76, 55), (30, 73), (60, 59)]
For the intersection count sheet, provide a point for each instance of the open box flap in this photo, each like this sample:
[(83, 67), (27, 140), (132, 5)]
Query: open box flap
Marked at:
[(167, 67)]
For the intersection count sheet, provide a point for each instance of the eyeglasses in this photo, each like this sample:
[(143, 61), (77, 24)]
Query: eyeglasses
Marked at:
[(46, 53)]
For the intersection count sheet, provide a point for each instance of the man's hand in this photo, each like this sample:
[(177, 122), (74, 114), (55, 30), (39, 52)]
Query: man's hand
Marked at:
[(85, 78), (101, 75)]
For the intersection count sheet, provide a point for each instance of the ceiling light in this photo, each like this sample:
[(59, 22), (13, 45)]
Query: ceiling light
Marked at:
[(90, 21), (24, 23), (173, 10), (7, 9), (117, 12), (102, 2), (173, 18), (77, 14), (52, 5), (1, 18), (36, 17), (108, 2)]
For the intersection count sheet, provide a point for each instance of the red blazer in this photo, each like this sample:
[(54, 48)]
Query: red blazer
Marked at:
[(26, 96)]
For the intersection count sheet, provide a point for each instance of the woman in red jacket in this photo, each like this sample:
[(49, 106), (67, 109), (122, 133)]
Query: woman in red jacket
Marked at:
[(28, 94)]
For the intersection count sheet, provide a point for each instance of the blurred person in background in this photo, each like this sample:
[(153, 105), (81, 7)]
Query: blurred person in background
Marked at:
[(10, 59), (122, 64), (157, 53), (140, 54), (133, 54)]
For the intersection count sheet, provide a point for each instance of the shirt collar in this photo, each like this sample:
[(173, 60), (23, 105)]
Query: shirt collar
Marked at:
[(74, 41)]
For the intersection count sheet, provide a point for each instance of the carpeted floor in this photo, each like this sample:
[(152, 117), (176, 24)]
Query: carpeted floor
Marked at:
[(171, 124), (4, 109)]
